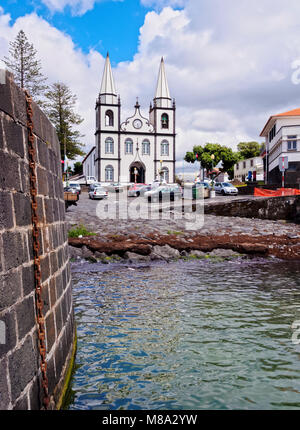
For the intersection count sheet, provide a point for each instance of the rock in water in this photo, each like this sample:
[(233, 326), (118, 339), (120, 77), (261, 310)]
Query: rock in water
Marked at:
[(166, 252), (132, 256)]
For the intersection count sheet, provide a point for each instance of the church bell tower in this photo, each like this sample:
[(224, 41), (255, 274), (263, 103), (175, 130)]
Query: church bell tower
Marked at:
[(162, 116), (108, 119)]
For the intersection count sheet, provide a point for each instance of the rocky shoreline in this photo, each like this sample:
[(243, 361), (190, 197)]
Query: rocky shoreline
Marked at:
[(174, 246), (168, 239), (158, 253)]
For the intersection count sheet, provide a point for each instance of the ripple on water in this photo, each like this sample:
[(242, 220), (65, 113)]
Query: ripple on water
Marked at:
[(188, 335)]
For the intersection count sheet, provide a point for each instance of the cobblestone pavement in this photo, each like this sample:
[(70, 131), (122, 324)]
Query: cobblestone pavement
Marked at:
[(86, 213)]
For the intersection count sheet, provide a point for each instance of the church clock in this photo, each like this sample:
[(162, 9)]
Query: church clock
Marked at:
[(137, 123)]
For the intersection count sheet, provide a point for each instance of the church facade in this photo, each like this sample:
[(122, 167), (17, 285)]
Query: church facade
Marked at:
[(138, 149)]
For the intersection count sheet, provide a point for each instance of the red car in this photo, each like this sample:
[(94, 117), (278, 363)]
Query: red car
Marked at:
[(134, 190)]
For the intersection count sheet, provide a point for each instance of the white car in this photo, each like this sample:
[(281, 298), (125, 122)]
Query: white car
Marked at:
[(164, 193), (98, 193), (226, 188), (76, 186)]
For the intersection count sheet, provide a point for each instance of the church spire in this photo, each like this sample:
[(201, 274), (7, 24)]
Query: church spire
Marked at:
[(108, 91), (162, 95)]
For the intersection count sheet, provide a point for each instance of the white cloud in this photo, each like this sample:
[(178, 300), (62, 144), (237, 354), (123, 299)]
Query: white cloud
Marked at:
[(159, 4), (61, 61), (229, 66), (78, 7)]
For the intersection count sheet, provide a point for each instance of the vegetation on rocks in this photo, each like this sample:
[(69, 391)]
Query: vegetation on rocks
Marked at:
[(80, 231), (174, 232)]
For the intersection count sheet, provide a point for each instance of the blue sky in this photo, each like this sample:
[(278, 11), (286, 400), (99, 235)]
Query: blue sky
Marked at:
[(227, 64), (109, 26)]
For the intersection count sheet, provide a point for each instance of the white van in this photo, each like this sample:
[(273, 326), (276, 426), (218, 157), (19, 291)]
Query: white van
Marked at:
[(90, 180), (84, 180)]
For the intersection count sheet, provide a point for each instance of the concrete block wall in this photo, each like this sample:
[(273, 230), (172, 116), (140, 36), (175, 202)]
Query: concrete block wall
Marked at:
[(20, 379)]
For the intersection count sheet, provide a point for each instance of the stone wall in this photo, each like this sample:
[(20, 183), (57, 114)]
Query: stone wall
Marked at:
[(20, 379), (273, 208)]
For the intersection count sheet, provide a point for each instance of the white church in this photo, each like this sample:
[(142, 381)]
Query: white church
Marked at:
[(138, 149)]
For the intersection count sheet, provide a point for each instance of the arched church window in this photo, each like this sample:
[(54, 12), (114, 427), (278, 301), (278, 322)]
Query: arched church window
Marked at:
[(146, 147), (164, 148), (109, 118), (109, 173), (109, 145), (128, 146), (165, 120), (165, 174)]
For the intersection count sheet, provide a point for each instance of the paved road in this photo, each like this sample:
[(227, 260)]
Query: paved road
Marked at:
[(120, 202), (92, 214)]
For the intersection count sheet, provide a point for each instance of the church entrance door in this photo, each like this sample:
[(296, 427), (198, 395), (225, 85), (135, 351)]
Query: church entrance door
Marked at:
[(137, 172)]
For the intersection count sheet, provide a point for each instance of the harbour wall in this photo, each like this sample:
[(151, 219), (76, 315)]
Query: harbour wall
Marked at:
[(20, 374), (272, 208)]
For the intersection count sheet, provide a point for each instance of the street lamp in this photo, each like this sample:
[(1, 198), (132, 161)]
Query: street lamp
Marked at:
[(198, 159), (212, 166)]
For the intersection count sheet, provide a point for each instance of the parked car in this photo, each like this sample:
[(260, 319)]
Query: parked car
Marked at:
[(207, 184), (144, 190), (93, 186), (179, 187), (225, 188), (200, 190), (155, 183), (115, 187), (164, 193), (84, 180), (76, 186), (135, 190), (98, 193)]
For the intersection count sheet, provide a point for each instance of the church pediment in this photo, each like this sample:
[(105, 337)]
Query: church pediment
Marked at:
[(137, 123)]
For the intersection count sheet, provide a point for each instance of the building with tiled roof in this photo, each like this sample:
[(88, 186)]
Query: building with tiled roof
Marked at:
[(282, 135)]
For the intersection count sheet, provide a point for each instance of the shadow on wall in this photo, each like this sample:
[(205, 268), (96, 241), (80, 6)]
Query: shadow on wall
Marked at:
[(20, 376)]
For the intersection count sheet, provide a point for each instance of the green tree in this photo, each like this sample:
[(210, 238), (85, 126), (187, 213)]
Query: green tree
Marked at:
[(190, 157), (78, 168), (26, 68), (220, 153), (249, 149), (60, 109)]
